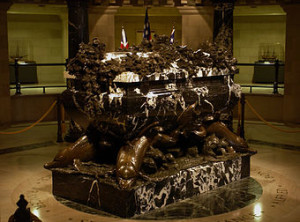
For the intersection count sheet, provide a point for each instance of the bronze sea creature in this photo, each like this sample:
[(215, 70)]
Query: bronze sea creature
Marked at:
[(82, 149), (129, 161), (221, 131)]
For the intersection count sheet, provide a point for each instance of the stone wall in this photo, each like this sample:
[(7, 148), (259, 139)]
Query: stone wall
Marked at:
[(292, 67), (161, 23), (251, 33), (5, 116), (30, 108), (197, 25), (39, 38), (102, 25), (193, 25)]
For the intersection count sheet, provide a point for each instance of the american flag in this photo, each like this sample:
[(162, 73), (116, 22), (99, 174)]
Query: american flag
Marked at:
[(147, 32), (124, 42), (172, 37)]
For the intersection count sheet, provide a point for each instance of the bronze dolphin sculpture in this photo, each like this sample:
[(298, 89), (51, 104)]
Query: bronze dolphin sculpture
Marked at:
[(82, 149)]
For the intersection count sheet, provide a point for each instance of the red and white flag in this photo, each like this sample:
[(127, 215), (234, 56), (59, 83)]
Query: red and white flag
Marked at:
[(124, 42)]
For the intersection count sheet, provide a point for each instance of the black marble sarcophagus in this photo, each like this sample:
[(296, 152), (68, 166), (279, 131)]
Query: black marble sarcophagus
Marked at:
[(162, 99), (217, 97), (149, 139)]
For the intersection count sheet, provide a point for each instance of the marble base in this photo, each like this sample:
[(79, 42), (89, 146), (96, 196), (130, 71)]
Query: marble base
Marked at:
[(102, 194), (225, 199)]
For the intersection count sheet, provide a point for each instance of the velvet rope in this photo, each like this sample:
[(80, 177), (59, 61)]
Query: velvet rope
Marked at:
[(32, 125), (267, 123)]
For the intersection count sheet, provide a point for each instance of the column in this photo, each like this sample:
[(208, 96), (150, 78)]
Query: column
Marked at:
[(102, 25), (197, 25), (77, 24), (292, 68), (223, 13), (78, 33), (5, 110)]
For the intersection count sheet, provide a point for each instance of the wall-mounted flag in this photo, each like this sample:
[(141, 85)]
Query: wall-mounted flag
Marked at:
[(172, 36), (124, 42), (147, 32)]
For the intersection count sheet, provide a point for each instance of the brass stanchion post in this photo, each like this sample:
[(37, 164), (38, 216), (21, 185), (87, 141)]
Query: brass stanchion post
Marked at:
[(275, 86), (17, 79), (242, 130), (59, 121)]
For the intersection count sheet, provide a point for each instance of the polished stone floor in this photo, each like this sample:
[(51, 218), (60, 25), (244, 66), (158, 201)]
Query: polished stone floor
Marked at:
[(271, 194)]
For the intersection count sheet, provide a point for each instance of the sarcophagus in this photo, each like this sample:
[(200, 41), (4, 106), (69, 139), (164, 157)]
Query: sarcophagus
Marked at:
[(133, 103), (156, 129)]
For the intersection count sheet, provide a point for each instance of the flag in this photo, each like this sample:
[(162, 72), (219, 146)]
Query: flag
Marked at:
[(147, 32), (124, 43), (172, 37)]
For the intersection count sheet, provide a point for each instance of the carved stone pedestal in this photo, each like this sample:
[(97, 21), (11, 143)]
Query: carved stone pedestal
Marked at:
[(158, 191)]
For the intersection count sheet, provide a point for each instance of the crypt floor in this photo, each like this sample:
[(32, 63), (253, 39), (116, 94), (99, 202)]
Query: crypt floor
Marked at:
[(275, 167)]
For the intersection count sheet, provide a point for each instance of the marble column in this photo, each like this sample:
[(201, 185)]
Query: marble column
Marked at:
[(292, 65), (78, 33), (197, 25), (77, 24), (5, 110), (223, 13)]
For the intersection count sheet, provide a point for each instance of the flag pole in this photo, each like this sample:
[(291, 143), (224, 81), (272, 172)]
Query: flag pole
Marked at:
[(172, 36), (147, 32), (124, 42)]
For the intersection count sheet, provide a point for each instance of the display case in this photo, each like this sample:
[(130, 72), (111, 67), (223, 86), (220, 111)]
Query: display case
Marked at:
[(27, 72)]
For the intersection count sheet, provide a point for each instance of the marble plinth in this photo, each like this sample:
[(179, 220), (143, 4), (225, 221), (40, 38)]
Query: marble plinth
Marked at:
[(104, 194)]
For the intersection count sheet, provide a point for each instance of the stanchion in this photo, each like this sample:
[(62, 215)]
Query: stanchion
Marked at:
[(63, 119), (238, 131), (17, 79), (59, 120), (275, 86), (242, 129)]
